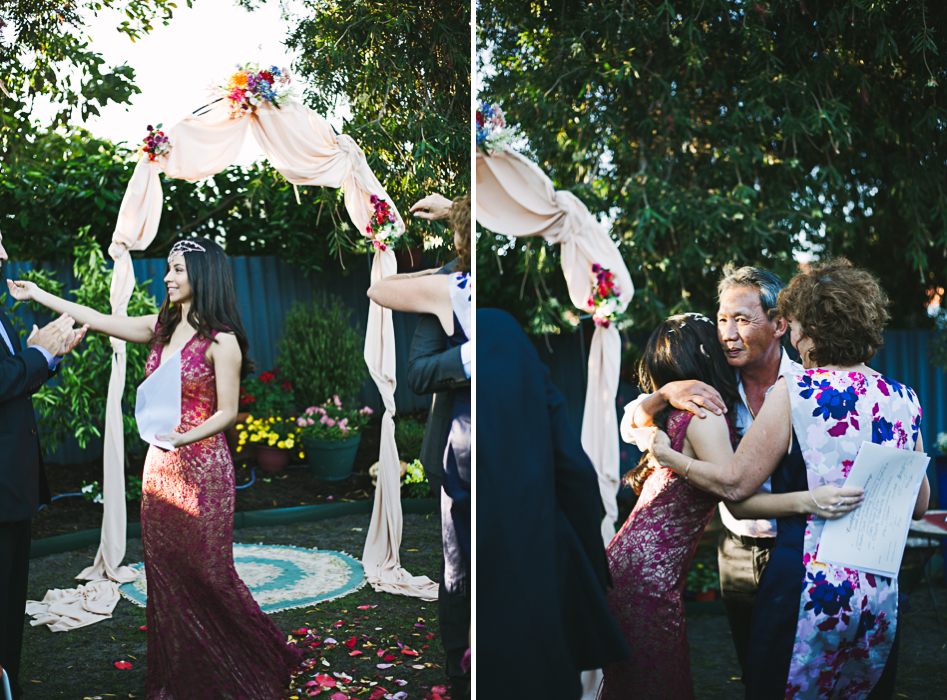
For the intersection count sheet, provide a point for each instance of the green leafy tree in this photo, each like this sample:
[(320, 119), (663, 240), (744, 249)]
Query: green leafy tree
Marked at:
[(403, 68), (717, 130), (74, 404), (45, 52), (76, 180)]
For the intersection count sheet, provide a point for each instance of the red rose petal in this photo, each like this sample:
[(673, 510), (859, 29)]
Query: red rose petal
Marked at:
[(351, 643), (123, 665)]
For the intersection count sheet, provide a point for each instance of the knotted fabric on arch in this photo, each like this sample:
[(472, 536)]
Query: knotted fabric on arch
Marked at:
[(302, 146), (516, 198)]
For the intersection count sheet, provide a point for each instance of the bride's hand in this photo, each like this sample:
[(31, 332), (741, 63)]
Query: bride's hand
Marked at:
[(659, 445), (176, 439), (22, 291), (832, 502)]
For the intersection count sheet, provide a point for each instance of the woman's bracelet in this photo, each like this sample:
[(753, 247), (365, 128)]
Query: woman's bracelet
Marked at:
[(687, 469), (818, 507)]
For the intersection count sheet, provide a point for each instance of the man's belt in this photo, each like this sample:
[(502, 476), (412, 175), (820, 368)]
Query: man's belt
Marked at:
[(747, 541)]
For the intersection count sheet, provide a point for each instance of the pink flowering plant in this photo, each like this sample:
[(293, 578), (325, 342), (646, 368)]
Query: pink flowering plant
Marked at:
[(156, 143), (332, 421), (604, 298), (250, 87), (383, 227)]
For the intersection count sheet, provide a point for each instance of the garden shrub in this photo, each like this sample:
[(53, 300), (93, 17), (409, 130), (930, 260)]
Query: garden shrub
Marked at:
[(321, 353), (409, 434)]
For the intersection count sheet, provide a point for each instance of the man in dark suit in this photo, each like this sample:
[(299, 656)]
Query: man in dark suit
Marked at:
[(23, 485), (432, 369)]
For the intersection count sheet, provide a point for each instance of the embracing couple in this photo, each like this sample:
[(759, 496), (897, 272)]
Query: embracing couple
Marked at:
[(772, 444)]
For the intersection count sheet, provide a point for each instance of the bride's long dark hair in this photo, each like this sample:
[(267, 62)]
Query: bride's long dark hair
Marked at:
[(213, 301), (682, 347)]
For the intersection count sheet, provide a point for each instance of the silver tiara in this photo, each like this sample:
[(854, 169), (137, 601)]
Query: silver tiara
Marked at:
[(185, 247)]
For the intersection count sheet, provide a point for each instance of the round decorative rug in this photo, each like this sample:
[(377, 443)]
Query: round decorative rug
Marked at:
[(280, 577)]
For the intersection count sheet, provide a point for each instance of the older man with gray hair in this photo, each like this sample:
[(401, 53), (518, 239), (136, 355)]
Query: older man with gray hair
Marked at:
[(751, 335)]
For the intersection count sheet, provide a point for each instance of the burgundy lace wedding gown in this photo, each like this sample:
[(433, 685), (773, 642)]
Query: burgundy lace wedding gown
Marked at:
[(207, 637), (648, 560)]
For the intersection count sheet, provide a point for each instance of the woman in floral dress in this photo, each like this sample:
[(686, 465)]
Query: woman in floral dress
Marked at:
[(819, 630)]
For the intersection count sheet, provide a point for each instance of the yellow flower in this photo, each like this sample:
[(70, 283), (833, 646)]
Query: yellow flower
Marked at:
[(302, 455), (242, 441), (281, 445), (289, 442), (239, 426), (272, 441)]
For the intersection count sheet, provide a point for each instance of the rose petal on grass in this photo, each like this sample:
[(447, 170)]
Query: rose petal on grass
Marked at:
[(351, 643), (418, 667), (390, 657), (330, 640), (439, 689), (384, 666), (123, 665), (144, 628), (355, 653), (364, 607), (326, 681), (338, 696), (401, 682), (409, 652), (377, 692)]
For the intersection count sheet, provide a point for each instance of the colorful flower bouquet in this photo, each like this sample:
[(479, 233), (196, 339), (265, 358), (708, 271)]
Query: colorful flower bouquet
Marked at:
[(251, 87), (331, 421), (274, 430), (492, 131), (604, 299), (266, 394), (156, 142), (383, 227)]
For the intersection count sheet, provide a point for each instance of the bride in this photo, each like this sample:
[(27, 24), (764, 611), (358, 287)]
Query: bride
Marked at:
[(207, 637)]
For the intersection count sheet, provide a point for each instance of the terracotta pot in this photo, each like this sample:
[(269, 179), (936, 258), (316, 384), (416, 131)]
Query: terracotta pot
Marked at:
[(409, 258), (705, 596), (272, 459)]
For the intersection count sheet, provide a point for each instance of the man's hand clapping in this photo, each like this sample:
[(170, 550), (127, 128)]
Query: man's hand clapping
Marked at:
[(57, 337)]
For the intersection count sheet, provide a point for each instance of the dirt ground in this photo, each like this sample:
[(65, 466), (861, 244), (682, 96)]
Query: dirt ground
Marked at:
[(80, 664)]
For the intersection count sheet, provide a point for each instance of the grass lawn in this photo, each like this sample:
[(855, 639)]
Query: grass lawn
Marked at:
[(404, 631)]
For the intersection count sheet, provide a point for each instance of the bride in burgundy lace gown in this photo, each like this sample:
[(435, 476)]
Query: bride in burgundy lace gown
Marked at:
[(207, 637)]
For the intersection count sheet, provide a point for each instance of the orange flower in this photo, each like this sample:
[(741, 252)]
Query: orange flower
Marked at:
[(238, 80)]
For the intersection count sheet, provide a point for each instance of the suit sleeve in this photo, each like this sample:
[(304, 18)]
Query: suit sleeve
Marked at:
[(22, 374), (431, 367), (577, 491)]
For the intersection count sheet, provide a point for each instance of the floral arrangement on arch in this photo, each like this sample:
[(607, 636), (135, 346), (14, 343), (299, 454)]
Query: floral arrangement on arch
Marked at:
[(251, 87), (492, 132), (604, 298), (383, 228), (156, 143), (332, 421)]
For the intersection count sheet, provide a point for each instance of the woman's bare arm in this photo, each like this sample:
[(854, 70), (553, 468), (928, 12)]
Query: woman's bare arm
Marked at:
[(428, 294), (134, 329), (756, 458)]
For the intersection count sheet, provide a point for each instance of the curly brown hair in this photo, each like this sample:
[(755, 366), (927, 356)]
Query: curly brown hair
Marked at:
[(840, 308), (459, 221)]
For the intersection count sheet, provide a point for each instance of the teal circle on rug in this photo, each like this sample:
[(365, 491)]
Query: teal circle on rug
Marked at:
[(279, 577)]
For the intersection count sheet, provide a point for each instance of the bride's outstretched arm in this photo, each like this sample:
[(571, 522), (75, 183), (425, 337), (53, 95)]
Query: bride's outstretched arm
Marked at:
[(427, 294), (134, 329)]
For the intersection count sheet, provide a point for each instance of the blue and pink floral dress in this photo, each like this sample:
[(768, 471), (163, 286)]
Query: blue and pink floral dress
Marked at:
[(820, 630)]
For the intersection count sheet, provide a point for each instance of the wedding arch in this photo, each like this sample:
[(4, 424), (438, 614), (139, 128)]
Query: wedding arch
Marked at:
[(516, 198), (303, 147)]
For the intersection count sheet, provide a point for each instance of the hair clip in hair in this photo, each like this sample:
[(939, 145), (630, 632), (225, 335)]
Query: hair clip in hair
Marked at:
[(704, 352), (185, 247)]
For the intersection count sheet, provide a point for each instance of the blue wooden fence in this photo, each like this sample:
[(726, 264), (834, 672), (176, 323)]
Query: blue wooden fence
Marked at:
[(903, 358), (266, 289)]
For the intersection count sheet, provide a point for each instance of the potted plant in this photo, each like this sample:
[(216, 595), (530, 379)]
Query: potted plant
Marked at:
[(330, 437), (703, 581), (416, 481), (275, 437), (265, 394)]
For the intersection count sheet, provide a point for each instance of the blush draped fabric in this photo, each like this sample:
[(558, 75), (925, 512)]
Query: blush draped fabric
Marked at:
[(516, 198), (207, 637), (648, 561), (303, 147)]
